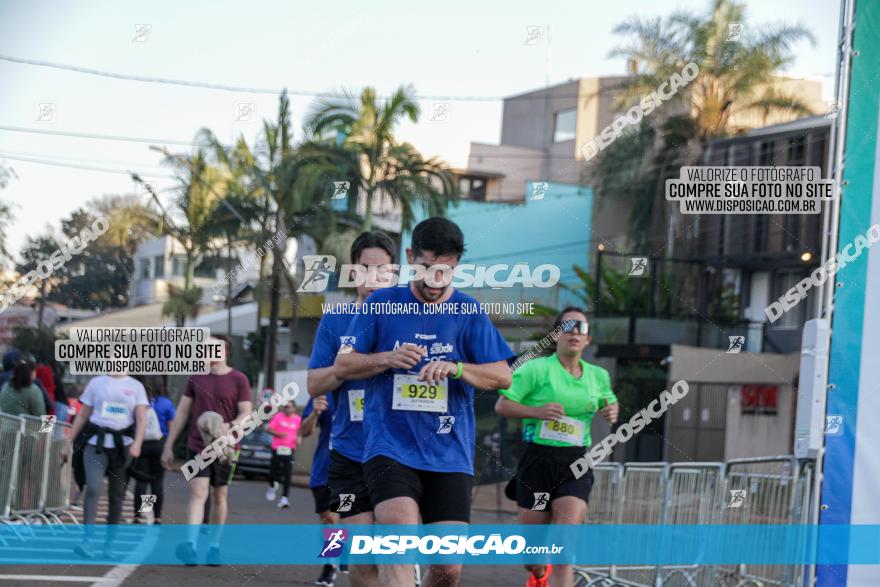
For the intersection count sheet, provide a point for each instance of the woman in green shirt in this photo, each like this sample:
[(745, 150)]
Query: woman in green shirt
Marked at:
[(557, 397), (19, 395)]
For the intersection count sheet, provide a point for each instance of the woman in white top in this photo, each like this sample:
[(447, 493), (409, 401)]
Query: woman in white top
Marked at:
[(113, 417)]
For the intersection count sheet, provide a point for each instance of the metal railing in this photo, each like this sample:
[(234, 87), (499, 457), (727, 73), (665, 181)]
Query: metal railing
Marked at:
[(11, 430), (760, 491), (34, 475)]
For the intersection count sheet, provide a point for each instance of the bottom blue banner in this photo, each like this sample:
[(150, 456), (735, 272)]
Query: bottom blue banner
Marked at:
[(598, 545)]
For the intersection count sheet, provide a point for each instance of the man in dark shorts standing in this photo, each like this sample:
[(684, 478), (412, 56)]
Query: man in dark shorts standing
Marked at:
[(422, 367), (227, 392), (371, 250)]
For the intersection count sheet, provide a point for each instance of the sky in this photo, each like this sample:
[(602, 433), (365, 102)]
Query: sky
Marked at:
[(462, 53)]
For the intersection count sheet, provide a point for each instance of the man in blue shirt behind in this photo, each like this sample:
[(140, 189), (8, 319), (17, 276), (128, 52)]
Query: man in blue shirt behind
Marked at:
[(348, 490), (318, 413), (421, 366)]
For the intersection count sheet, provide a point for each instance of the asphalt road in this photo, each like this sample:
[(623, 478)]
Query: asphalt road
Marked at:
[(247, 505)]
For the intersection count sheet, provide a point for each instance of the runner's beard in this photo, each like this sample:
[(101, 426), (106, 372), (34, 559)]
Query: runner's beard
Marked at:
[(428, 293)]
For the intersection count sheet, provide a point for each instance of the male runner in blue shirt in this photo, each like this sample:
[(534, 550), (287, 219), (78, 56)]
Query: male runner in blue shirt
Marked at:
[(422, 367), (348, 491)]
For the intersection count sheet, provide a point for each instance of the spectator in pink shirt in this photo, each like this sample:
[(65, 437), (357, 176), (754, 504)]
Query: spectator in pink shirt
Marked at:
[(284, 427)]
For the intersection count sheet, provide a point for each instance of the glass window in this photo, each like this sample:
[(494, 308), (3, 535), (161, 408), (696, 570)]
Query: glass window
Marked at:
[(785, 280), (145, 268), (564, 127), (472, 187), (159, 266), (178, 266)]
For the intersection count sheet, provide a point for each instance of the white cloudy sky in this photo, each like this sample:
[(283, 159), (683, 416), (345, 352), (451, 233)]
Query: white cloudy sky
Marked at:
[(456, 48)]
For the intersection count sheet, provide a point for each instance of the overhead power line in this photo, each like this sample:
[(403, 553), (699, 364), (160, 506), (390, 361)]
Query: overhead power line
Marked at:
[(83, 135), (208, 85), (38, 161)]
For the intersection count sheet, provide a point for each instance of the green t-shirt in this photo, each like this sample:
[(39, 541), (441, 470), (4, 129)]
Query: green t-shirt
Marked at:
[(27, 401), (545, 380)]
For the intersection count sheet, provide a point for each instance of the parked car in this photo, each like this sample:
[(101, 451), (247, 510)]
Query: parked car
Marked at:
[(256, 454)]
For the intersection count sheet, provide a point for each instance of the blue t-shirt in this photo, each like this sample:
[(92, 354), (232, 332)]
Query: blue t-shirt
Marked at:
[(441, 441), (348, 433), (321, 460), (165, 411)]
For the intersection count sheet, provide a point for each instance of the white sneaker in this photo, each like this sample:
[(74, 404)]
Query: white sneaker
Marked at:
[(283, 503), (270, 493)]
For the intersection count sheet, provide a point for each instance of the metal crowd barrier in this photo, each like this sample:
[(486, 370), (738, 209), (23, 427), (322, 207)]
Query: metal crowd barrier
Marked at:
[(11, 430), (34, 476), (759, 491)]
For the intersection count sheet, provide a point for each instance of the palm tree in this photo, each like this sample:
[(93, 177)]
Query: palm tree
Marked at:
[(200, 186), (734, 77), (279, 187), (131, 223), (382, 166), (230, 220)]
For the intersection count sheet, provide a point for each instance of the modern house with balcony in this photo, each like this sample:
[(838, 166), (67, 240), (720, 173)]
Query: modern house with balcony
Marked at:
[(768, 254)]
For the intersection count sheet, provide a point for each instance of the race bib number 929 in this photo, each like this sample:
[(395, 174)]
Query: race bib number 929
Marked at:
[(419, 396)]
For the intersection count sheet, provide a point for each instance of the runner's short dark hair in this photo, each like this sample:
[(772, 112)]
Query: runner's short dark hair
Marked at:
[(22, 375), (228, 342), (369, 240), (440, 236)]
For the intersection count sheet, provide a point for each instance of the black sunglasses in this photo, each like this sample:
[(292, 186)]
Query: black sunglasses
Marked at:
[(575, 326)]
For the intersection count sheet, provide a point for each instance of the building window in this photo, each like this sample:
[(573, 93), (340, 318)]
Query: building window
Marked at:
[(564, 127), (797, 150), (473, 188), (178, 266), (765, 153), (145, 268), (159, 266), (784, 281)]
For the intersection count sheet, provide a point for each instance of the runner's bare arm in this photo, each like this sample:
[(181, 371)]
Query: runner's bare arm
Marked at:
[(174, 429), (244, 410), (85, 412), (180, 418), (353, 365), (140, 424), (322, 381), (309, 425), (495, 375), (319, 404), (510, 409)]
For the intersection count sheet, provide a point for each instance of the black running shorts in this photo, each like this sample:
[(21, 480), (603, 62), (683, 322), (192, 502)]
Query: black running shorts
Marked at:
[(348, 490), (544, 474), (442, 497)]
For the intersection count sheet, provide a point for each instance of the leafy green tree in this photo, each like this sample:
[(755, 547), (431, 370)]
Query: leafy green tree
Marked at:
[(182, 303), (6, 215), (278, 187), (40, 342), (99, 275), (381, 164), (35, 251)]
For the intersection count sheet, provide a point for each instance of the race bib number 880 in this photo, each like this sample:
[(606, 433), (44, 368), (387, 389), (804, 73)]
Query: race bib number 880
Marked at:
[(566, 430), (419, 396)]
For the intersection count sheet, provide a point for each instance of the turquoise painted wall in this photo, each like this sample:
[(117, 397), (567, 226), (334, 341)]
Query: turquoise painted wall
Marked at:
[(555, 229)]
